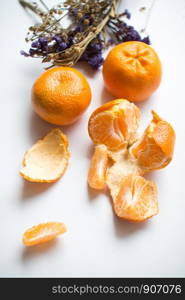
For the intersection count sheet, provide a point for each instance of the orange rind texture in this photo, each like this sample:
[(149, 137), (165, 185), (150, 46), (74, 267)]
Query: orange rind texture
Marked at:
[(61, 95), (120, 163), (132, 70), (47, 159), (43, 233)]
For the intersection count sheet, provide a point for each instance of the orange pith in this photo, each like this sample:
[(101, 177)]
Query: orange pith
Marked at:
[(61, 95), (121, 158), (114, 124), (47, 159), (132, 70), (43, 233), (155, 148)]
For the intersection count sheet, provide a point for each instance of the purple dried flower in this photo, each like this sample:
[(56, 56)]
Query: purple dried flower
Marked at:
[(84, 56), (95, 61), (78, 28), (32, 51), (86, 17), (111, 41), (45, 50), (122, 25), (43, 40), (57, 39), (35, 44), (22, 52), (97, 47), (93, 53), (146, 40), (127, 14), (70, 41), (132, 34), (74, 12), (62, 46)]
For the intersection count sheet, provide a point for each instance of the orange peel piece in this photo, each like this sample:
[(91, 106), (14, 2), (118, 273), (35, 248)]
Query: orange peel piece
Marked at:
[(114, 124), (47, 159), (43, 233), (137, 199), (98, 168), (154, 150)]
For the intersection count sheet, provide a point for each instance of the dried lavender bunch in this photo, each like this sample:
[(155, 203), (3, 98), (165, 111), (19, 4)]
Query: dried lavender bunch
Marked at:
[(94, 25)]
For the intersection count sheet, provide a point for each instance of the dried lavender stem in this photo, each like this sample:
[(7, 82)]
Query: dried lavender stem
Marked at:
[(85, 38), (26, 4), (44, 5), (79, 48)]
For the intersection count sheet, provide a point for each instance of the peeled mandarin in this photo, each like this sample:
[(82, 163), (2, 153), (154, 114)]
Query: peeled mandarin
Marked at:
[(114, 124)]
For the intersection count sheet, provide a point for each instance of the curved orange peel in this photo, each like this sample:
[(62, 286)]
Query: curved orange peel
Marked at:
[(47, 159)]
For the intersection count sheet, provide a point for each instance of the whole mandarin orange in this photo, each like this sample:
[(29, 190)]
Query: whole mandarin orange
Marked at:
[(61, 95), (132, 70)]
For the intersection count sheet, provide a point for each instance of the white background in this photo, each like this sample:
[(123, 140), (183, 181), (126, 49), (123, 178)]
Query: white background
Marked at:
[(97, 243)]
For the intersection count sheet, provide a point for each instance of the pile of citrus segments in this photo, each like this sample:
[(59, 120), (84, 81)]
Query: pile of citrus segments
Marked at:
[(122, 157)]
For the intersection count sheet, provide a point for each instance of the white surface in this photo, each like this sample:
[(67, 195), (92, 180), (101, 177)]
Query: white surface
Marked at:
[(97, 243)]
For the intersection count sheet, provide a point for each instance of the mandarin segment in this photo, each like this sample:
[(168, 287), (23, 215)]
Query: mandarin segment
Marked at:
[(43, 233), (122, 167), (154, 150), (98, 168), (47, 159), (114, 124), (164, 136), (136, 200)]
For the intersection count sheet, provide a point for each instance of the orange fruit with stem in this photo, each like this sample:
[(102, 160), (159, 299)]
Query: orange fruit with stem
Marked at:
[(61, 95), (43, 233), (132, 70), (114, 124), (136, 200), (154, 150)]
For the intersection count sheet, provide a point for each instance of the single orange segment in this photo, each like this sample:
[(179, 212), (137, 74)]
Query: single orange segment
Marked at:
[(154, 150), (43, 233), (98, 168), (114, 124), (136, 200), (120, 169)]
